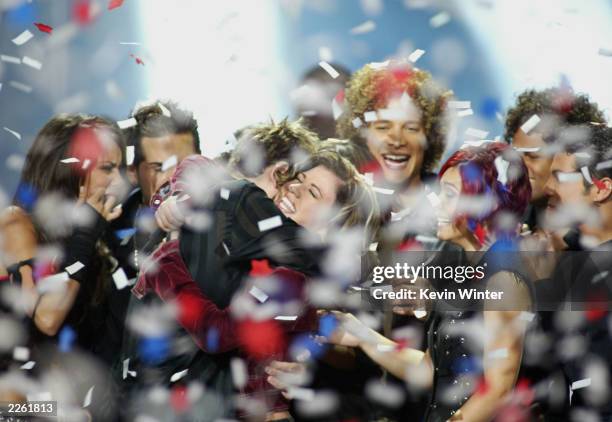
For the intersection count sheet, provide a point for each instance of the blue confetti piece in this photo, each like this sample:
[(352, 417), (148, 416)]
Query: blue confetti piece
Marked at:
[(212, 340), (154, 350), (67, 336), (125, 233), (489, 108), (471, 173), (26, 195), (307, 343), (466, 364), (327, 325), (21, 16)]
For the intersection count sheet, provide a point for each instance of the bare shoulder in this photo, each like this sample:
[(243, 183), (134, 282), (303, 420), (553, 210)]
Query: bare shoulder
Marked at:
[(18, 235), (516, 296)]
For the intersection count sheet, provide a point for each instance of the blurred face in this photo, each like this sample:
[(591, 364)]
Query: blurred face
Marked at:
[(105, 174), (565, 186), (149, 174), (310, 197), (538, 164), (450, 190), (398, 145)]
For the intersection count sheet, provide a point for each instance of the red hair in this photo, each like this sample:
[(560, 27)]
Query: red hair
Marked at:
[(479, 177)]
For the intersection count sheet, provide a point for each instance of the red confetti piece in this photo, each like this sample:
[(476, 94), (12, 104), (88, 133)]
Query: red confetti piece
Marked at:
[(598, 183), (113, 4), (593, 315), (401, 344), (178, 399), (260, 268), (340, 96), (87, 147), (524, 391), (137, 59), (189, 311), (261, 339), (43, 28), (81, 12), (409, 245), (480, 233), (482, 387)]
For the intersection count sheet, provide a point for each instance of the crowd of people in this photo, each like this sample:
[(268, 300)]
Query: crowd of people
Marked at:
[(146, 281)]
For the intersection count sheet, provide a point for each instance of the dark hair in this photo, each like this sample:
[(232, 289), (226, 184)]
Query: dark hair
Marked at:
[(562, 103), (480, 176), (594, 151), (277, 141), (64, 136), (161, 119)]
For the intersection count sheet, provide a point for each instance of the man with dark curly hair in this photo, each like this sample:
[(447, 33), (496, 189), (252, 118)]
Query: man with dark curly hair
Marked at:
[(530, 126)]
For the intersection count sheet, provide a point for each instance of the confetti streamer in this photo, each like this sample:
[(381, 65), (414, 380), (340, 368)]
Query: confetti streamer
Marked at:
[(74, 268), (124, 124), (416, 55), (21, 353), (12, 132), (44, 28), (178, 375), (23, 38), (258, 294), (269, 223), (126, 369), (120, 279), (239, 373), (88, 397), (364, 28), (329, 69), (21, 87), (169, 163), (129, 155), (286, 317), (113, 4), (530, 124), (28, 365), (577, 385), (31, 62), (10, 59), (439, 20)]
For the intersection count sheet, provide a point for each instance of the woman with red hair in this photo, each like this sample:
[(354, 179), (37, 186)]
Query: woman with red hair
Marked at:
[(474, 346)]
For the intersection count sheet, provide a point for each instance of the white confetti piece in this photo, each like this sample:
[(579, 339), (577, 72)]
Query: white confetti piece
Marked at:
[(383, 191), (373, 247), (23, 38), (416, 55), (31, 62), (169, 163), (498, 354), (286, 317), (386, 393), (69, 160), (476, 133), (239, 372), (269, 223), (439, 20), (583, 155), (21, 353), (28, 365), (120, 279), (501, 166), (385, 347), (21, 87), (124, 124), (357, 123), (465, 113), (88, 396), (531, 123), (605, 52), (164, 110), (129, 43), (576, 385), (433, 199), (526, 316), (10, 59), (336, 109), (299, 393), (420, 314), (569, 177), (370, 116), (586, 174), (224, 193), (535, 149), (53, 282), (379, 65), (604, 165), (325, 54), (392, 114), (77, 266), (460, 104), (225, 248), (178, 375), (12, 132), (86, 164), (258, 294), (329, 69), (364, 28), (126, 369), (129, 155)]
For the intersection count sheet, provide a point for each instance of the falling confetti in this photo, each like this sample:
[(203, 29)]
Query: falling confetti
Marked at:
[(329, 69), (440, 19), (137, 59), (416, 55), (14, 133), (44, 28), (270, 223), (113, 4), (364, 28), (23, 38)]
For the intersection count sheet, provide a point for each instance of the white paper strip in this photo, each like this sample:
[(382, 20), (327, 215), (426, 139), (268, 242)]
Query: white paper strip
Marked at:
[(476, 133), (576, 385), (164, 110), (357, 123), (178, 375), (370, 116), (12, 132), (28, 365), (530, 123), (120, 279), (459, 104), (270, 223), (416, 55), (329, 69), (225, 193), (129, 155), (10, 59), (169, 163), (31, 62), (124, 124), (440, 19), (23, 38), (21, 353), (69, 160), (21, 87), (367, 26), (569, 177), (336, 109), (498, 354), (88, 397), (286, 317), (535, 149), (258, 294), (77, 266), (465, 113), (383, 191), (604, 165)]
